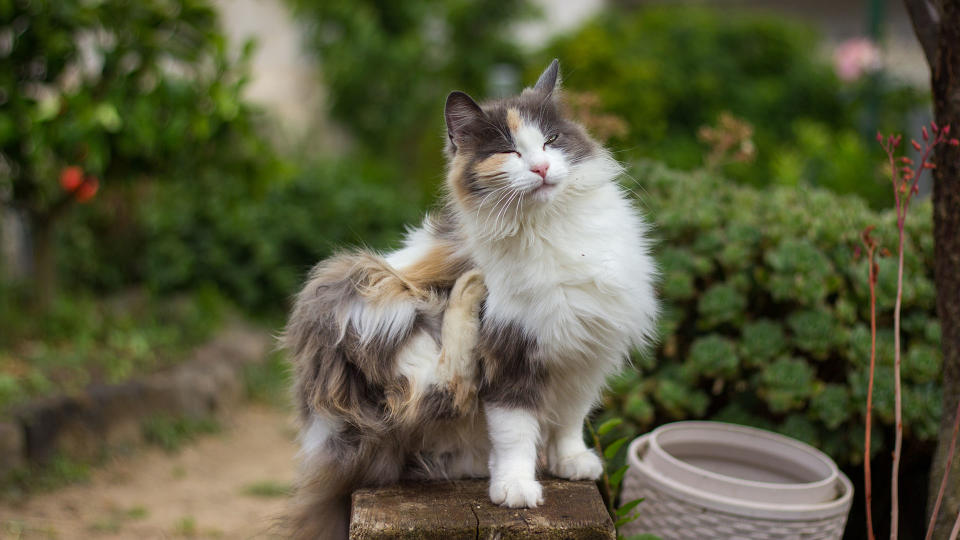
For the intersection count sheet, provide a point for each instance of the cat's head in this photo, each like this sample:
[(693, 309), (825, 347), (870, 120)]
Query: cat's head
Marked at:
[(520, 151)]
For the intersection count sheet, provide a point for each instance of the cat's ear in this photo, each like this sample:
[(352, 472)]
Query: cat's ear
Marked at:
[(460, 111), (549, 78)]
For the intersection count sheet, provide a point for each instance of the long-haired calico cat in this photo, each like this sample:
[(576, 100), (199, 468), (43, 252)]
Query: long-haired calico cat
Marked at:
[(483, 343)]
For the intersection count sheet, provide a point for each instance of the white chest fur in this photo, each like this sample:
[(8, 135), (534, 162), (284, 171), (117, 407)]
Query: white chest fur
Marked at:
[(579, 280)]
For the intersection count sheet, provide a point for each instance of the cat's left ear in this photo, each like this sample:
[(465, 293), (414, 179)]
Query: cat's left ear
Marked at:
[(459, 112), (549, 79)]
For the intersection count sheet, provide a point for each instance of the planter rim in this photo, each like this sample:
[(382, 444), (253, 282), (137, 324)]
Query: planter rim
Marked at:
[(735, 506), (759, 442)]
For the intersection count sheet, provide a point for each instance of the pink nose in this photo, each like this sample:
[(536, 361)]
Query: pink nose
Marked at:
[(540, 169)]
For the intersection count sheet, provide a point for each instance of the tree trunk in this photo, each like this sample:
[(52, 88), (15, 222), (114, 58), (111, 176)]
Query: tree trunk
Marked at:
[(945, 84)]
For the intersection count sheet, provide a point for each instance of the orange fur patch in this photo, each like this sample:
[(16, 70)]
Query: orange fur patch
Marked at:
[(491, 166), (513, 120), (439, 267), (455, 179)]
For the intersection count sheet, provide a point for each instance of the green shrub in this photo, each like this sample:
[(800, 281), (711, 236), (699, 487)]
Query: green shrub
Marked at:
[(172, 432), (252, 241), (129, 95), (666, 71), (767, 314), (387, 67), (257, 247), (81, 340)]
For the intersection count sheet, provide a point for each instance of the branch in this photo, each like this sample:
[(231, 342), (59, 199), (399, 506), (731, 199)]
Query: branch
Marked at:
[(926, 25)]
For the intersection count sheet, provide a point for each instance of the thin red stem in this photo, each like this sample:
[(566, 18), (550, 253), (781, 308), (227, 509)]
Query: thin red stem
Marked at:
[(867, 475), (904, 183), (897, 392)]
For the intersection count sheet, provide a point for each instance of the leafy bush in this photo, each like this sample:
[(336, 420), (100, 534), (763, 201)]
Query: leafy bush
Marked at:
[(120, 94), (172, 432), (81, 340), (667, 71), (254, 243), (388, 65), (257, 250), (767, 314)]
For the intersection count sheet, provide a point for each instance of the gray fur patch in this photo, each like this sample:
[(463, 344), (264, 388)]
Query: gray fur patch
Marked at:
[(513, 372)]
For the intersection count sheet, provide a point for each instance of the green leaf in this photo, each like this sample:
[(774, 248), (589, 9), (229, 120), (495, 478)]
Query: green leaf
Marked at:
[(608, 425), (617, 477), (614, 447), (627, 507)]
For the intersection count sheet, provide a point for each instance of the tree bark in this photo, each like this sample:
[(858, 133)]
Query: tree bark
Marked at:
[(945, 85)]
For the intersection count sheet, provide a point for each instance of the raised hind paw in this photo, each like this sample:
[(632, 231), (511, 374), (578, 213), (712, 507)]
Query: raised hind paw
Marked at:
[(461, 324), (468, 293), (516, 493)]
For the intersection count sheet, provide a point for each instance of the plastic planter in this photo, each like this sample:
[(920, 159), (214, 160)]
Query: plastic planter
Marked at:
[(715, 480)]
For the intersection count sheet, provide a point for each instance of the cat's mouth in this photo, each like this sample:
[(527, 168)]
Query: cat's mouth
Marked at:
[(545, 189)]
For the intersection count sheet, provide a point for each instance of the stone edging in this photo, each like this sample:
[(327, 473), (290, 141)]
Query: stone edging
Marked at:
[(104, 416)]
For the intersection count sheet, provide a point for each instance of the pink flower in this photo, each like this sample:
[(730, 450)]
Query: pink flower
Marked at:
[(854, 57)]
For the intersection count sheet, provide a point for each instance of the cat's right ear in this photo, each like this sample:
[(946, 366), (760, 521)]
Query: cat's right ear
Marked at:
[(460, 111)]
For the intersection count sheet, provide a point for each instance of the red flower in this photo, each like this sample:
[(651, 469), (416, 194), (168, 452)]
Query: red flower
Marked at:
[(71, 178), (87, 189)]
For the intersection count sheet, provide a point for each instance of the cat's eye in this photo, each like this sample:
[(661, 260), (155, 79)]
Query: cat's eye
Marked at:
[(551, 139), (512, 152)]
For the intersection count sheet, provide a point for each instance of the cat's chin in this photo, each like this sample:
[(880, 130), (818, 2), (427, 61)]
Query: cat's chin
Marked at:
[(545, 192)]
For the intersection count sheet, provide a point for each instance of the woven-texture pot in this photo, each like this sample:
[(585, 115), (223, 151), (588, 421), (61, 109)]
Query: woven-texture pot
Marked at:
[(716, 480)]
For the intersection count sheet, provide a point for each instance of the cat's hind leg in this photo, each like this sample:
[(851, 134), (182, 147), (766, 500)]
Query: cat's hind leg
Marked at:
[(440, 381), (459, 339)]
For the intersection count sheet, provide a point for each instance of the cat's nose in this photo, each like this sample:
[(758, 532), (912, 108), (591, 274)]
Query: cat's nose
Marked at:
[(541, 169)]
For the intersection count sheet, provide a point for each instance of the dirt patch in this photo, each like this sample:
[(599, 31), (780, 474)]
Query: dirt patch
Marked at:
[(228, 485)]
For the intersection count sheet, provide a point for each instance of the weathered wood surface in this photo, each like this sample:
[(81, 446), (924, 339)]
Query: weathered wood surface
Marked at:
[(462, 510)]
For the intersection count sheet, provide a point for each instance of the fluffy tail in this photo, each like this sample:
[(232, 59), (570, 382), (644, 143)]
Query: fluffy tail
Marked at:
[(321, 506)]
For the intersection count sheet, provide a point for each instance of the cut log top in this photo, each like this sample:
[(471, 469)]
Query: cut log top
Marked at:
[(462, 510)]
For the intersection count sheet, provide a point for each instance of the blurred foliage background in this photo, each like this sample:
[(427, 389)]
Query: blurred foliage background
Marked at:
[(150, 203)]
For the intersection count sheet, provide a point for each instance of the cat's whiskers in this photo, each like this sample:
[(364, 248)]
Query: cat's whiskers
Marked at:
[(503, 211), (493, 210), (487, 196), (518, 214), (639, 186)]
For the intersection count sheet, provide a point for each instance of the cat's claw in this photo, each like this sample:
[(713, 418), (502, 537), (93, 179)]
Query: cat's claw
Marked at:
[(583, 466), (515, 493)]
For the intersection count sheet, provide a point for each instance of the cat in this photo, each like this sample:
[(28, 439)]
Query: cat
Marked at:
[(480, 346)]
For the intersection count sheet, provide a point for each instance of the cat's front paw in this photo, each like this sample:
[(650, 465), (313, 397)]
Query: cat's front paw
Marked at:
[(580, 466), (516, 493)]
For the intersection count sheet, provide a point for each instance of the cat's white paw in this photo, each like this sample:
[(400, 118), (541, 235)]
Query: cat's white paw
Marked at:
[(516, 493), (580, 466)]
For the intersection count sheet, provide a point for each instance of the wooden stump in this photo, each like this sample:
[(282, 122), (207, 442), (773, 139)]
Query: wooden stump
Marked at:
[(462, 510)]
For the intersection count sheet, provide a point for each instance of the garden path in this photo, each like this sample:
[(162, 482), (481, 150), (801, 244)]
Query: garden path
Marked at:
[(229, 485)]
